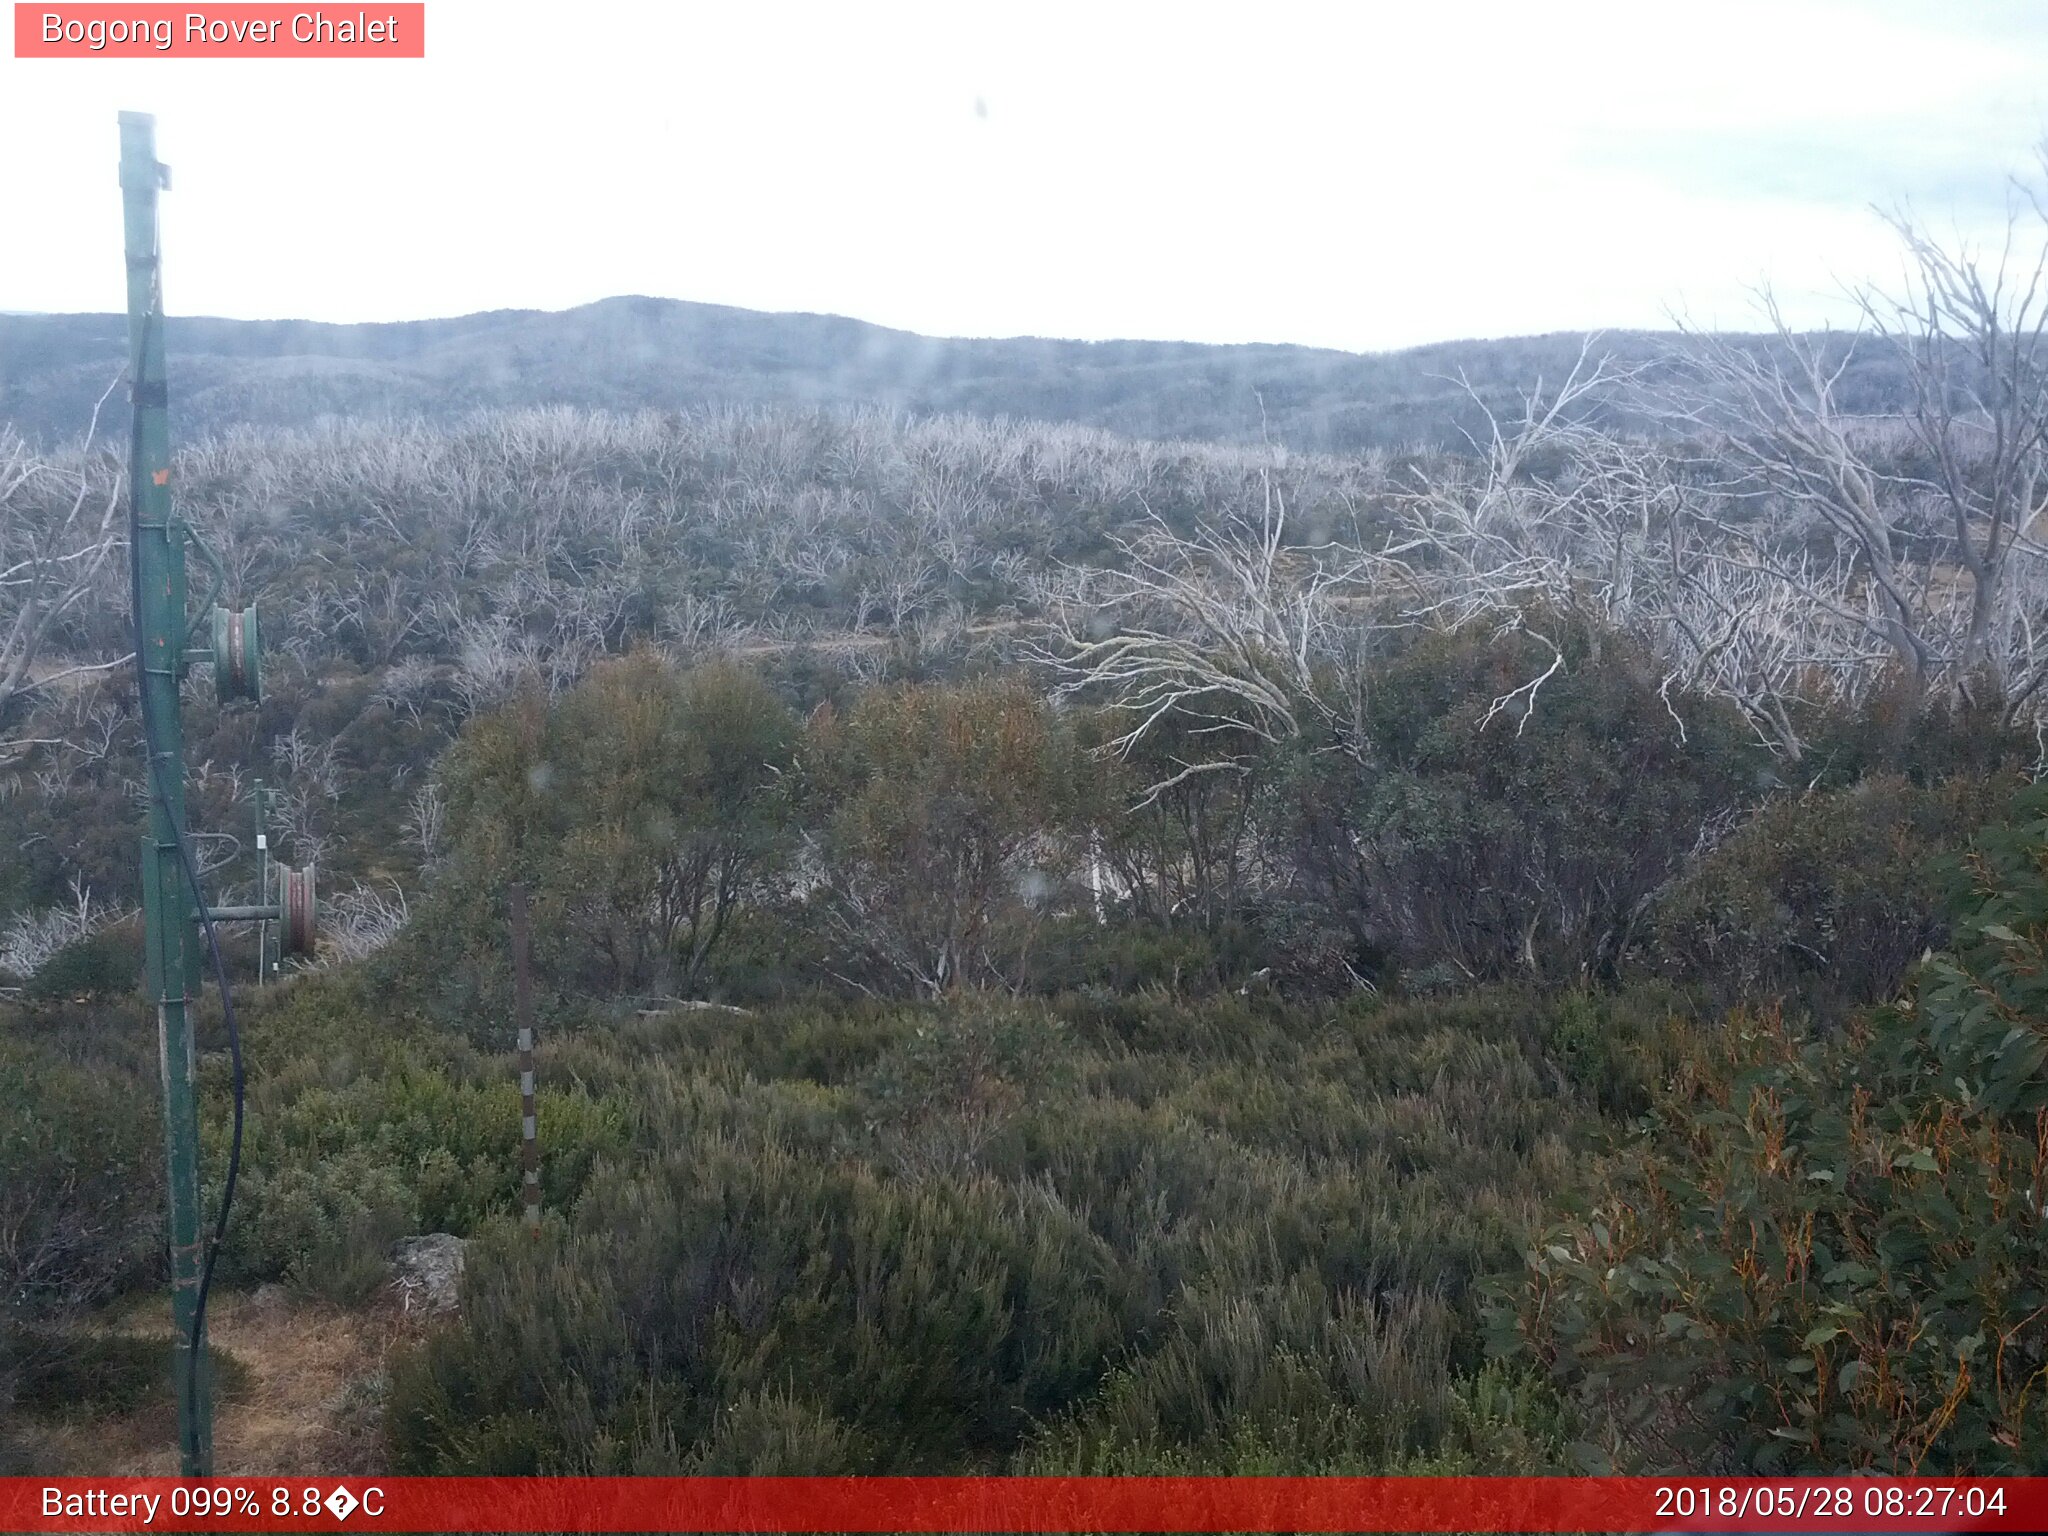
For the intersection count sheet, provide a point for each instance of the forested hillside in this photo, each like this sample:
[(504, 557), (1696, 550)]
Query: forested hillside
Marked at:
[(1065, 950), (629, 354)]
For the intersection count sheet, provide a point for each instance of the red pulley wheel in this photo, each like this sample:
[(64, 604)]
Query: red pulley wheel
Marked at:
[(300, 911)]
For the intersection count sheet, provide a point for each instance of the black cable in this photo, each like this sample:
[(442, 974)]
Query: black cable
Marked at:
[(156, 784)]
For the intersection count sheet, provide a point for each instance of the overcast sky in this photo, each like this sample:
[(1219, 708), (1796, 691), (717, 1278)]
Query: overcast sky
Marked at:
[(1362, 175)]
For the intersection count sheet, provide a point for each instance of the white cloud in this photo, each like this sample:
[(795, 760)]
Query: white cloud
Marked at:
[(1359, 176)]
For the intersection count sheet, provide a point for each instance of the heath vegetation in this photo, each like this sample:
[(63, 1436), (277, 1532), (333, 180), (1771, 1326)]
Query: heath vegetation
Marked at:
[(1071, 952)]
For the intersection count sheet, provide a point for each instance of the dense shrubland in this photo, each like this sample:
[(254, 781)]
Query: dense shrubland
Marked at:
[(77, 1142), (1035, 1131), (1063, 953), (1826, 1251), (994, 1234)]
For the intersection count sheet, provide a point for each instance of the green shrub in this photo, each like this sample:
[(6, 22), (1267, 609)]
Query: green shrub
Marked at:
[(103, 964), (929, 1320), (325, 1227), (821, 1042), (1621, 1047), (1494, 1423), (943, 1092), (644, 810), (365, 1125), (893, 1239), (77, 1148), (1180, 847), (1924, 738), (1490, 836), (760, 1434), (1827, 1254), (949, 825), (1823, 900), (1125, 954), (83, 1376), (1330, 1379)]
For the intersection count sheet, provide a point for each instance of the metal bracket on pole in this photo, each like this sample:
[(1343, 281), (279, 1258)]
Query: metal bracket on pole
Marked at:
[(295, 910)]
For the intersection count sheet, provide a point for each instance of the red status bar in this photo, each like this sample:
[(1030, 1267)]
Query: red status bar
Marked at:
[(1051, 1504)]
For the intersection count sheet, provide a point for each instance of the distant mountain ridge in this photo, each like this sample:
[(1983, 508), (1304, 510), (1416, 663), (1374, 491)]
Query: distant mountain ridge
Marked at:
[(668, 354)]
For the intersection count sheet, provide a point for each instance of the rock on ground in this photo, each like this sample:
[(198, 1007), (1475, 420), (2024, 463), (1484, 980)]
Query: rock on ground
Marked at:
[(426, 1271)]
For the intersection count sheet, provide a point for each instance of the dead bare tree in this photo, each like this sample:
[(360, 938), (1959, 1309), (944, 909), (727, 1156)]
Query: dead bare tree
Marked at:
[(1771, 644), (383, 612), (1973, 334), (1779, 445), (362, 920), (1932, 509), (408, 686), (59, 531), (1632, 536), (1485, 535), (426, 823), (31, 938), (300, 825), (1248, 638), (488, 664), (1486, 539)]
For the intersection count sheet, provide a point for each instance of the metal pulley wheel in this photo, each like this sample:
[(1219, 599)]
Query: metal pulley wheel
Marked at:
[(237, 656), (298, 930)]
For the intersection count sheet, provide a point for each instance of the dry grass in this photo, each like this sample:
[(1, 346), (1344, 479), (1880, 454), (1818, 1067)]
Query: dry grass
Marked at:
[(308, 1401)]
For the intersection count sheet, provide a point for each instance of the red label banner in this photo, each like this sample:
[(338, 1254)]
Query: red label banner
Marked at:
[(229, 31), (1050, 1504)]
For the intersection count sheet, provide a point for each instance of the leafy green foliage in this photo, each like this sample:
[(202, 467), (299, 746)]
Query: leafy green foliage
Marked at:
[(77, 1219), (940, 1095), (1491, 835), (1824, 899), (365, 1127), (670, 783), (1182, 857), (75, 1144), (985, 1234), (644, 811), (1898, 731), (1828, 1254), (1493, 1423), (947, 818), (100, 965)]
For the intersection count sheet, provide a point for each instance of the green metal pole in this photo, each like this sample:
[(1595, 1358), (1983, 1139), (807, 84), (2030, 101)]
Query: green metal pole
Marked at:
[(173, 949)]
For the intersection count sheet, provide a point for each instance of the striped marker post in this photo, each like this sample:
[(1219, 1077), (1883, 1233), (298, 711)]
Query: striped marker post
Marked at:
[(529, 1125)]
